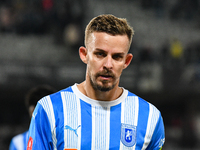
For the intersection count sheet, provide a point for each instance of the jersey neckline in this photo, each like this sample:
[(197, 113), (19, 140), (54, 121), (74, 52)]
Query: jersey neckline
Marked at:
[(98, 102)]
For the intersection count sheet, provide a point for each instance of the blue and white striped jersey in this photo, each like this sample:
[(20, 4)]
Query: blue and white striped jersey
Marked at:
[(70, 120), (19, 142)]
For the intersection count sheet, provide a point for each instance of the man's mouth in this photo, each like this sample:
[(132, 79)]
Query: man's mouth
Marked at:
[(106, 77)]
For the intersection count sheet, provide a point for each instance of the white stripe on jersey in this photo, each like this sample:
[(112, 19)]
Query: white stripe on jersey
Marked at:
[(122, 121), (108, 128), (129, 115), (136, 112), (71, 118), (18, 142), (93, 128), (48, 107), (79, 122), (152, 120), (100, 127)]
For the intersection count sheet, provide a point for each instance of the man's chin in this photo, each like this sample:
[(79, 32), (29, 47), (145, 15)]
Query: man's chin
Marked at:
[(104, 88), (102, 85)]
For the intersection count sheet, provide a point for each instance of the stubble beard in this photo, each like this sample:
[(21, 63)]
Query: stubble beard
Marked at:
[(104, 87)]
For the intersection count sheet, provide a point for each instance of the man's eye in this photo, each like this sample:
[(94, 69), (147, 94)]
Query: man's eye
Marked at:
[(117, 57), (100, 54)]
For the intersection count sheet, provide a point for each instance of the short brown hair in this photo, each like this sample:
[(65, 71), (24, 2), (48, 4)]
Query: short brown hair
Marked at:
[(109, 24)]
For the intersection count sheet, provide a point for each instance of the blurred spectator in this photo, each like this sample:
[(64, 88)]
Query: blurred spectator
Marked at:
[(42, 16), (29, 19), (19, 142), (176, 51), (176, 48), (67, 13), (72, 35), (47, 5), (6, 19), (49, 14), (30, 22)]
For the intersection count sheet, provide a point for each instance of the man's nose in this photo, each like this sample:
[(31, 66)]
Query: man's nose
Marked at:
[(108, 62)]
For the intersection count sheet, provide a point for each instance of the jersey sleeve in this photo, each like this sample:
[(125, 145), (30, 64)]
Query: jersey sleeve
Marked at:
[(158, 137), (39, 131)]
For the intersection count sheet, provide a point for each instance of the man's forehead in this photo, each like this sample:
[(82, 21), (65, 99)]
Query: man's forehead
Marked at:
[(105, 39), (103, 35)]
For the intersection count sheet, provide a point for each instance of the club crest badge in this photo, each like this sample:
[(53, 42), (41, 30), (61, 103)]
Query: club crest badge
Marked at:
[(128, 134)]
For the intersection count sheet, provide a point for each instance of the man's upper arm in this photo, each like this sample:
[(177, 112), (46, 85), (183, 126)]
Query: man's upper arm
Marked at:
[(158, 137), (39, 130)]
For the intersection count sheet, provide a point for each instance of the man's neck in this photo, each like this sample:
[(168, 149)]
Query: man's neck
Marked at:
[(88, 90)]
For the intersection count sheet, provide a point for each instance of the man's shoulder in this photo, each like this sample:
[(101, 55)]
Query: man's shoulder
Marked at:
[(134, 96), (20, 136), (141, 101), (59, 94), (55, 99), (68, 89), (56, 95)]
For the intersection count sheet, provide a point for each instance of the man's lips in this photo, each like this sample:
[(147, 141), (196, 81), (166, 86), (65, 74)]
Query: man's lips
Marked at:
[(105, 77)]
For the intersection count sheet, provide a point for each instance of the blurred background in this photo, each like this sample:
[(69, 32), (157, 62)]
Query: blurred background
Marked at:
[(39, 41)]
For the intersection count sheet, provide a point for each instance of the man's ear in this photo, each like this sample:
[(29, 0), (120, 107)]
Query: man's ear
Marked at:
[(83, 54), (128, 60)]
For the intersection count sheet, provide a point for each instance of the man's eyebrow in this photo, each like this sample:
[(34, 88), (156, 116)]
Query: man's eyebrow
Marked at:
[(101, 50)]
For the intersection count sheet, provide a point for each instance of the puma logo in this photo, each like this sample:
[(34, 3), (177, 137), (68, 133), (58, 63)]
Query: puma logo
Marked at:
[(70, 128)]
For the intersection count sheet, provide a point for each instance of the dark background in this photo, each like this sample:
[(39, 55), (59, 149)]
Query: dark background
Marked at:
[(39, 41)]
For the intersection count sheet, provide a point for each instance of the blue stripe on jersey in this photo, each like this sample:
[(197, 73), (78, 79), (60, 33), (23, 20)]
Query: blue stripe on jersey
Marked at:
[(40, 133), (159, 132), (115, 131), (59, 116), (86, 125), (142, 122), (24, 141)]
